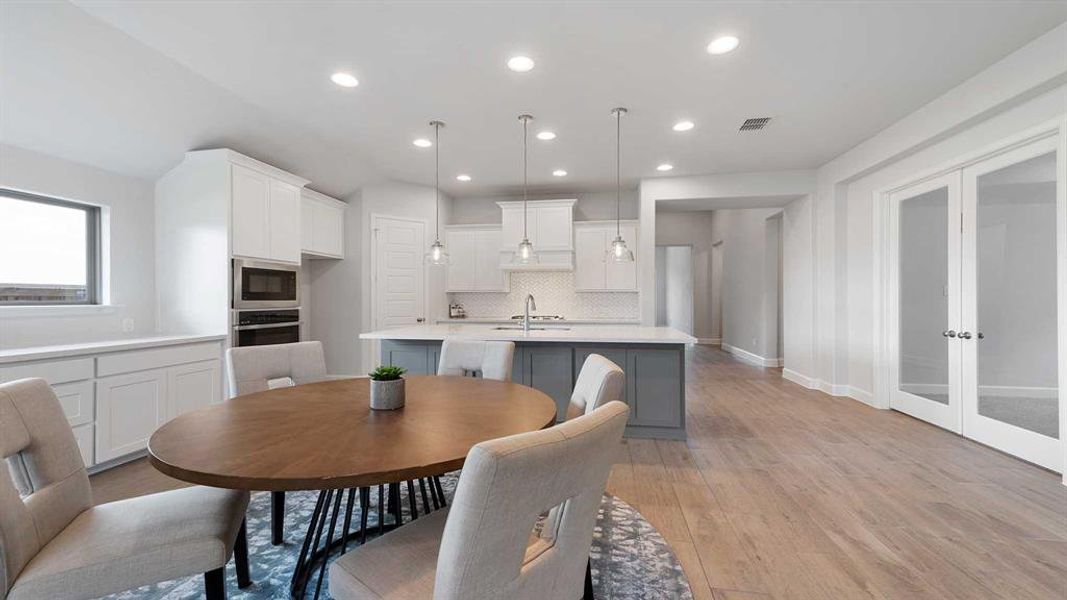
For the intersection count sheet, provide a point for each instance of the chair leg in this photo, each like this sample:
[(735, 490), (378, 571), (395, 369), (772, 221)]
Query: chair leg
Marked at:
[(588, 595), (215, 584), (240, 557), (440, 490), (277, 517)]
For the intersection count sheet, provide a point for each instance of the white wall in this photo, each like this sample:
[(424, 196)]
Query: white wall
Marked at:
[(693, 229), (591, 206), (128, 210), (678, 286), (336, 305)]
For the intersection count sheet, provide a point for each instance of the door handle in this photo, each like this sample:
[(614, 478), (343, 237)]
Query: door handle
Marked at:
[(981, 335), (420, 320), (951, 333), (965, 335)]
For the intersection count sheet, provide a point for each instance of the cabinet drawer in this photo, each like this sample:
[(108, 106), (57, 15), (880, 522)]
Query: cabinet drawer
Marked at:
[(76, 400), (54, 372), (142, 360), (83, 435)]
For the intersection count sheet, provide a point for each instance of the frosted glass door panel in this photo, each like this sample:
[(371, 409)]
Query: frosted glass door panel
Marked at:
[(924, 312), (1016, 280)]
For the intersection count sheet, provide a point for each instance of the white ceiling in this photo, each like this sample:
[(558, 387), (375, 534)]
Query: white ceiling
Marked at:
[(135, 84)]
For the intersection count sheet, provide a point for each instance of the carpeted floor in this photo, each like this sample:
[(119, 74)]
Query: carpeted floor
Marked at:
[(630, 559)]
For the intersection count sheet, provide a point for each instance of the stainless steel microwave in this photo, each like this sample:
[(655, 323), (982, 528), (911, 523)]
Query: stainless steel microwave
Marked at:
[(258, 284)]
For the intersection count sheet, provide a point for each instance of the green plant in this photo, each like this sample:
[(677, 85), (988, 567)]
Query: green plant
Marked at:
[(387, 373)]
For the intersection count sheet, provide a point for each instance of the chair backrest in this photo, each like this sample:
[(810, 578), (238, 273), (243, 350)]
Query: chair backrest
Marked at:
[(249, 369), (492, 360), (505, 486), (44, 486), (600, 381)]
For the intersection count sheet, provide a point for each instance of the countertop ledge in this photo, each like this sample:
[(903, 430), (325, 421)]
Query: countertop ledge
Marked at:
[(603, 334), (46, 352), (503, 320)]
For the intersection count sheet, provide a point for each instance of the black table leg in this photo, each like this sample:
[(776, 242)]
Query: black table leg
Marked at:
[(240, 557), (277, 517)]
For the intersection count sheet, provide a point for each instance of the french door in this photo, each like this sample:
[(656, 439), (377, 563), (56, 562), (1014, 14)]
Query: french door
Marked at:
[(975, 302)]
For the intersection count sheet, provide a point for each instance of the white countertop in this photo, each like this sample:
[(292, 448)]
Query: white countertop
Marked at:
[(606, 334), (505, 320), (44, 352)]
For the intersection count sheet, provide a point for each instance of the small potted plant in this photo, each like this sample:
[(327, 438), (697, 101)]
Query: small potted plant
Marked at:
[(387, 388)]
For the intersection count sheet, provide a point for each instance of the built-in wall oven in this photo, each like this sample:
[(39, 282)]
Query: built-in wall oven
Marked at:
[(263, 327), (258, 284)]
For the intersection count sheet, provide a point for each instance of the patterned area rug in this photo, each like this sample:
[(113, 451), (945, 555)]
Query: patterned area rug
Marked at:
[(630, 560)]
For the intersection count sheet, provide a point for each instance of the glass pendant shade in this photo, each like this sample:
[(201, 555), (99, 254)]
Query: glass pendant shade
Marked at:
[(525, 254), (437, 254), (618, 252)]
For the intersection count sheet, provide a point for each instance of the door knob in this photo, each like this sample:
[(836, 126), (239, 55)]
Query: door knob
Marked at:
[(981, 335), (420, 320), (965, 335), (949, 333)]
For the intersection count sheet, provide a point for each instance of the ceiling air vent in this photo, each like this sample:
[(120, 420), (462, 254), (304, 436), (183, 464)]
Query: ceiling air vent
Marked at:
[(755, 124)]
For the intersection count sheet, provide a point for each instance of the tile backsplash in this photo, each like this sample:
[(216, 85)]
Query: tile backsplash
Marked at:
[(555, 295)]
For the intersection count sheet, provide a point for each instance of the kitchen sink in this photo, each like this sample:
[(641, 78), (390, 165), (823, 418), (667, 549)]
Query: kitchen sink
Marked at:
[(533, 328)]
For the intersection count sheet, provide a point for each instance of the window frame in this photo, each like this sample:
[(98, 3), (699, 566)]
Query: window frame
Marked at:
[(93, 272)]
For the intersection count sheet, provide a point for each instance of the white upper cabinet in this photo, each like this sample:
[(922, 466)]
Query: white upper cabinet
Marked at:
[(251, 213), (549, 226), (322, 222), (266, 212), (474, 259), (592, 271), (284, 222)]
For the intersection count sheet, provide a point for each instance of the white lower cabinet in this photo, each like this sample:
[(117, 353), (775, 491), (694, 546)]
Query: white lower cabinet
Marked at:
[(128, 409), (193, 386), (83, 435)]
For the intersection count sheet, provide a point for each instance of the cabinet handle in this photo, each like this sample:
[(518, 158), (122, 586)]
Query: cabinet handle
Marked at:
[(965, 335), (951, 333)]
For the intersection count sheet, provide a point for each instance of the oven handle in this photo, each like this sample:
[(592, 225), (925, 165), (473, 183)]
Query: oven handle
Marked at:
[(267, 326)]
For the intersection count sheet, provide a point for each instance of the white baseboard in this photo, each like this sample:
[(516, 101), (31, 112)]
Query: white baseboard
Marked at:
[(709, 341), (799, 379), (751, 357), (839, 390)]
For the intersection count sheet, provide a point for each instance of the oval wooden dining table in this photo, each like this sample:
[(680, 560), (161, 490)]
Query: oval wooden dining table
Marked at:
[(324, 436)]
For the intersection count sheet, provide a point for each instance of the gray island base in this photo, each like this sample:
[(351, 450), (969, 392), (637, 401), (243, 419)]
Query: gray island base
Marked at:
[(655, 375)]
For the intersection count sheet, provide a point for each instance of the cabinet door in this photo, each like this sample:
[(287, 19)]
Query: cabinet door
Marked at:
[(462, 268), (284, 222), (622, 276), (554, 227), (309, 242), (83, 435), (489, 277), (193, 386), (590, 244), (128, 409), (330, 229), (251, 213), (415, 357), (656, 386), (77, 401), (511, 228), (549, 369)]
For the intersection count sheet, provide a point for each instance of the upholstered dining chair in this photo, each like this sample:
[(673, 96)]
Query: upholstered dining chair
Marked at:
[(55, 544), (482, 547), (253, 369), (491, 360), (600, 381)]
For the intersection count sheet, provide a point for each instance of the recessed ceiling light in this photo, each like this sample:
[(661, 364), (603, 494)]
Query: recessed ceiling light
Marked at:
[(665, 167), (520, 63), (559, 173), (423, 143), (546, 135), (463, 177), (722, 45), (344, 79), (683, 126)]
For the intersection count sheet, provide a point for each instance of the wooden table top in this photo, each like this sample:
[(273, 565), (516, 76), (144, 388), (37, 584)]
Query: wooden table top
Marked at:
[(325, 436)]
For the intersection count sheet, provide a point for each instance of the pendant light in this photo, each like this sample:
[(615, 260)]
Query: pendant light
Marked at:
[(437, 254), (618, 252), (525, 254)]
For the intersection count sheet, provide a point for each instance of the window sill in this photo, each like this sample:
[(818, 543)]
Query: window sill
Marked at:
[(26, 311)]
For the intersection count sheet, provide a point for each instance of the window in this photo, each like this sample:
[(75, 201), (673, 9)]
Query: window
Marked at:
[(49, 251)]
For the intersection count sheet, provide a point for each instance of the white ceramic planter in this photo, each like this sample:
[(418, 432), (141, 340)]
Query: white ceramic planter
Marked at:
[(387, 395)]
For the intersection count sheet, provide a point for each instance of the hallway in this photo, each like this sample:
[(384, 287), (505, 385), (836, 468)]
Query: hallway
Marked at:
[(784, 492)]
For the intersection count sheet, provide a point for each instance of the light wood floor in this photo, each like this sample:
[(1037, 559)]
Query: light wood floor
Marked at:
[(783, 492)]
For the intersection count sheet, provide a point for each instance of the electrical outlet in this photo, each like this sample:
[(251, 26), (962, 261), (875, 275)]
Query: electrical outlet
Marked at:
[(127, 325)]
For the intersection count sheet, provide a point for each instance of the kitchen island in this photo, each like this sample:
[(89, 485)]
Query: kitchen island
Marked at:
[(549, 357)]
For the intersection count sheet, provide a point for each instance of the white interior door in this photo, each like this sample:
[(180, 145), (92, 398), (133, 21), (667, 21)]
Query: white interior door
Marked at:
[(399, 273), (1010, 319), (924, 305)]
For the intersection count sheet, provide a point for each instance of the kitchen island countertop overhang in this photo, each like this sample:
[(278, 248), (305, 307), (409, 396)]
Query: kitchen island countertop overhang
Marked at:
[(550, 357)]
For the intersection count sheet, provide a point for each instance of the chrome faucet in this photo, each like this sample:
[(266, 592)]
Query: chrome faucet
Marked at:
[(526, 313)]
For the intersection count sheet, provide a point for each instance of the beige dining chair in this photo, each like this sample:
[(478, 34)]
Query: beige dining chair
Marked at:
[(55, 544), (491, 360), (482, 547), (253, 369), (600, 381)]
